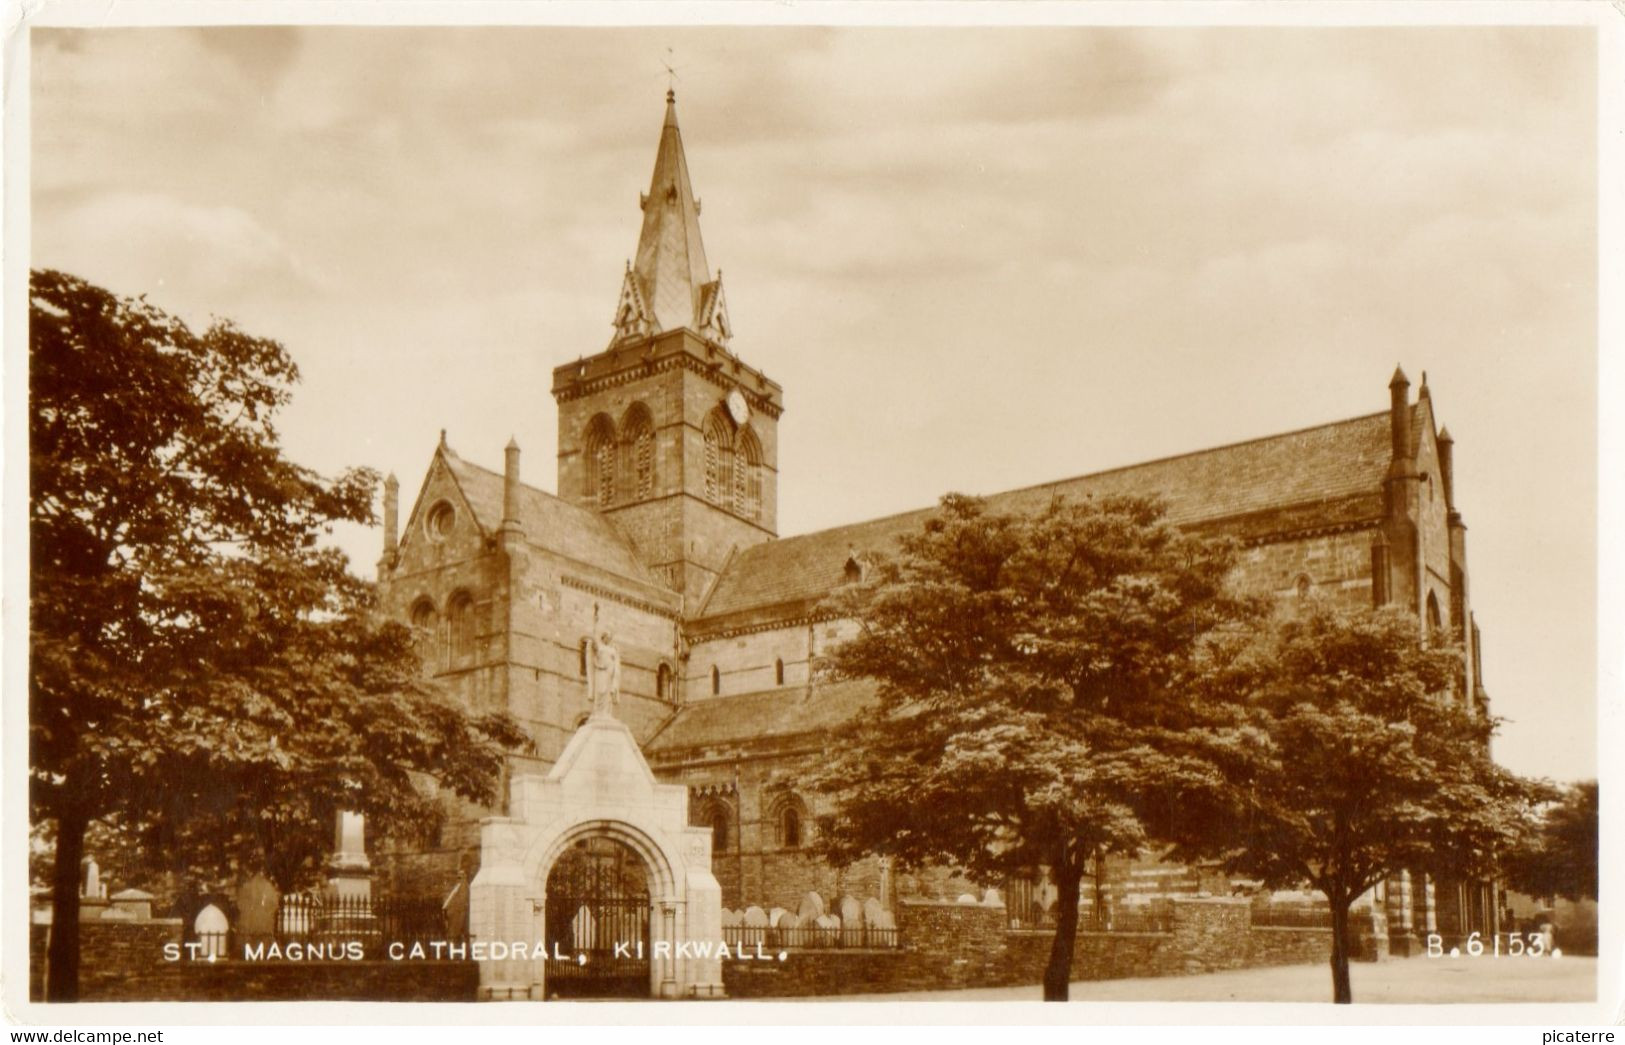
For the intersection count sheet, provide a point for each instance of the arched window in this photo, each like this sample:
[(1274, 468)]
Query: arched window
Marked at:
[(1435, 622), (716, 680), (663, 682), (719, 827), (1303, 586), (460, 634), (715, 813), (424, 617), (600, 445), (778, 672), (638, 445), (583, 665), (748, 475), (788, 815), (718, 459)]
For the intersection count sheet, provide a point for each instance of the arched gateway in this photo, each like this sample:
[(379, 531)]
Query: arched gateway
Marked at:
[(594, 884)]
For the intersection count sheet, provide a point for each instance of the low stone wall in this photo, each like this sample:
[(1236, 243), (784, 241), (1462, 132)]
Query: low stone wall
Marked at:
[(124, 961), (946, 946), (1269, 945)]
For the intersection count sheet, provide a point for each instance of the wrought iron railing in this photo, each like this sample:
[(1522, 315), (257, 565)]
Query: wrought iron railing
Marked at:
[(340, 926), (809, 938)]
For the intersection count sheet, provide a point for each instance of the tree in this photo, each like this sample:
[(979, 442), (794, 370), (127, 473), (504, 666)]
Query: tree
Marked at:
[(1349, 754), (204, 676), (1025, 713), (1560, 856)]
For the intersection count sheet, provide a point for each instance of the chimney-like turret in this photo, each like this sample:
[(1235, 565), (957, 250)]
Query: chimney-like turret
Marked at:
[(392, 513), (510, 485), (1399, 418), (1447, 448)]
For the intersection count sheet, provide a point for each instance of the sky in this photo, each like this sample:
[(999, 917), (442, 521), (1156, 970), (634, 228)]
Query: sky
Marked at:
[(974, 259)]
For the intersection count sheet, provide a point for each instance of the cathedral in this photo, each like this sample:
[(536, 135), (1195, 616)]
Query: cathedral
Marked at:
[(661, 535)]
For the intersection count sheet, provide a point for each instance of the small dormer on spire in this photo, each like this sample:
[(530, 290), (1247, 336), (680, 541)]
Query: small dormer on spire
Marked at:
[(668, 284)]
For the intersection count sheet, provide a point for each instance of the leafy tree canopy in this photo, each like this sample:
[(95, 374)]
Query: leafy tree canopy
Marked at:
[(203, 672), (1559, 858), (1026, 712), (1349, 754)]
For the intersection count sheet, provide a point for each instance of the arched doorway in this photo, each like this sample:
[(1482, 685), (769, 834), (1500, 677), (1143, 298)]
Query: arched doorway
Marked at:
[(597, 922)]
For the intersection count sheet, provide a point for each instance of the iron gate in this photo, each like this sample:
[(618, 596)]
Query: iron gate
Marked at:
[(597, 923)]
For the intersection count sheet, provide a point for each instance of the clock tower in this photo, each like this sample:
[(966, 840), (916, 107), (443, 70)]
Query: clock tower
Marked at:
[(666, 431)]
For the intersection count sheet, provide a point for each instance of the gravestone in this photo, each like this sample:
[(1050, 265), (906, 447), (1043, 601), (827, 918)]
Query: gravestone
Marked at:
[(811, 909), (851, 920), (967, 898), (755, 925), (885, 920), (134, 902), (872, 911), (775, 916), (991, 898), (211, 927), (257, 903), (730, 917)]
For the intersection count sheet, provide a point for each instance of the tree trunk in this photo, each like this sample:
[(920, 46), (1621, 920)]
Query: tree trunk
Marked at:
[(1059, 971), (62, 957), (1342, 994)]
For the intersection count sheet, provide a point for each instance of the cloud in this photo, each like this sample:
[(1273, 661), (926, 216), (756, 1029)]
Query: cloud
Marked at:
[(191, 258)]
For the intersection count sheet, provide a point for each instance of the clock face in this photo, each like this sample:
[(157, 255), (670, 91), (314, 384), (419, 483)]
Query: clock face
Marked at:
[(737, 407)]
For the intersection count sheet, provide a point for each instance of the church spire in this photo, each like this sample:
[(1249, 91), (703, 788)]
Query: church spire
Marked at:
[(669, 284)]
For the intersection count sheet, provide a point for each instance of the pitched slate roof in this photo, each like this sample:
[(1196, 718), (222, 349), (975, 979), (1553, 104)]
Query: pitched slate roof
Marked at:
[(755, 716), (549, 522), (1312, 477)]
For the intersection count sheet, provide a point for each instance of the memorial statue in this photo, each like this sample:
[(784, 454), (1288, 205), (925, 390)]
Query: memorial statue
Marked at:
[(605, 676)]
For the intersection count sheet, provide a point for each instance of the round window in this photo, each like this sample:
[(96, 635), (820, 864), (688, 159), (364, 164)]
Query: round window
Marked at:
[(440, 521)]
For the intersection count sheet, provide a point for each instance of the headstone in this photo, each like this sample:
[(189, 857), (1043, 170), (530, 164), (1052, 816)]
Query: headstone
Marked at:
[(349, 872), (967, 898), (211, 927), (884, 920), (788, 921), (755, 925), (135, 902), (812, 907), (991, 898), (851, 912), (775, 916), (582, 928), (872, 911), (350, 842), (93, 878), (257, 902), (730, 917)]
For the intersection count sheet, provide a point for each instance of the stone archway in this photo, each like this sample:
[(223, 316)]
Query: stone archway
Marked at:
[(595, 921), (600, 793)]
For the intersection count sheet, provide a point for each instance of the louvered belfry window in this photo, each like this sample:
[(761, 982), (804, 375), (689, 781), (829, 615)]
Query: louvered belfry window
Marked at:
[(643, 462), (713, 466), (606, 474)]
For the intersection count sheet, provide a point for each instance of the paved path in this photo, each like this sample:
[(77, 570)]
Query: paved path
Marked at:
[(1397, 981)]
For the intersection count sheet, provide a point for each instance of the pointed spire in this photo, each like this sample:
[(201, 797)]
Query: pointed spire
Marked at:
[(668, 280)]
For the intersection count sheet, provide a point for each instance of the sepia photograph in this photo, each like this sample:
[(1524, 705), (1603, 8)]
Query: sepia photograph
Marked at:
[(1124, 530)]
